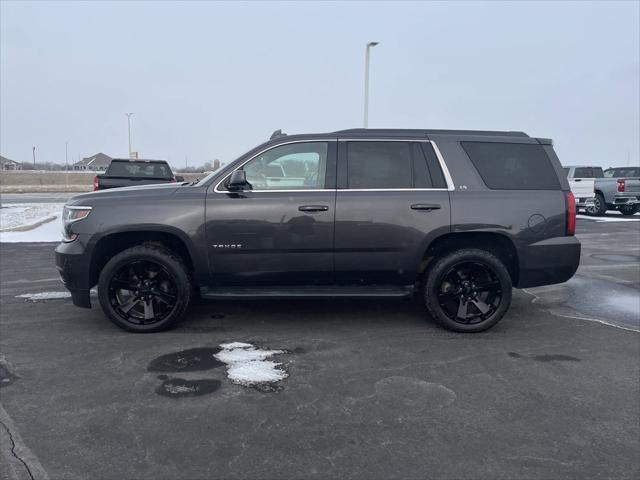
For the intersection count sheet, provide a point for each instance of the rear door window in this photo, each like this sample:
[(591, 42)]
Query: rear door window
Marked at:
[(512, 166), (376, 165), (588, 172)]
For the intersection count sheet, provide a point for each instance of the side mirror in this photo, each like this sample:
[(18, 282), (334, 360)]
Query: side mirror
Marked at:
[(179, 178), (237, 181)]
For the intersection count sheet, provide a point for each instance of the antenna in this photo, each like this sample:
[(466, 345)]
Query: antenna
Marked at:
[(277, 133)]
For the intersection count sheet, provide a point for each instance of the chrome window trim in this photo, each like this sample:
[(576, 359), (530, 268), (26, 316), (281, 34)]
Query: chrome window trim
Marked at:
[(445, 170)]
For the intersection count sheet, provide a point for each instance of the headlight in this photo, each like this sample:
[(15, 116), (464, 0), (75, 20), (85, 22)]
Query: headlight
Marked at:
[(70, 215)]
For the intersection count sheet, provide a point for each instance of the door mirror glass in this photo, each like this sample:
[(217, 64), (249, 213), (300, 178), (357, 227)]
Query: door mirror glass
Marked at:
[(237, 181), (179, 178)]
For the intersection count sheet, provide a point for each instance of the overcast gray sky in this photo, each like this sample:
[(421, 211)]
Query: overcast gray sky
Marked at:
[(210, 80)]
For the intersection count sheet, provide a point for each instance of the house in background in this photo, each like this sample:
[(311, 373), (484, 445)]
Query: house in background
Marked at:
[(7, 164), (96, 163)]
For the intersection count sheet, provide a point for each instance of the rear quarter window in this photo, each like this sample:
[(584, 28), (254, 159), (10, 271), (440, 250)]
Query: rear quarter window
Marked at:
[(512, 166)]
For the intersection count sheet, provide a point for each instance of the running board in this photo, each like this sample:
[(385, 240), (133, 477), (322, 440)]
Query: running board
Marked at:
[(371, 291)]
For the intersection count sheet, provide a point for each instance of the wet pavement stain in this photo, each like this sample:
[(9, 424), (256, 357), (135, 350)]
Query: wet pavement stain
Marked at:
[(546, 358), (556, 358), (191, 360), (179, 387), (6, 377)]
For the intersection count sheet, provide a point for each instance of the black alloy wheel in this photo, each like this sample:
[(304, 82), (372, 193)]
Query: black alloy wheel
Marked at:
[(467, 290), (144, 289), (142, 292)]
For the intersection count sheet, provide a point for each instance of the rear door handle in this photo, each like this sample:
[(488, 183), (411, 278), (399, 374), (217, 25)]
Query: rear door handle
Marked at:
[(313, 208), (426, 206)]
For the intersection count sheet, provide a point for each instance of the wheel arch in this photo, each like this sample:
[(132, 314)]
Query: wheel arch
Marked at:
[(500, 245), (112, 242)]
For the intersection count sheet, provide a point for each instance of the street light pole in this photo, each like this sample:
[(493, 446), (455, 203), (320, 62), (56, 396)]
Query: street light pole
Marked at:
[(34, 157), (66, 163), (129, 127), (366, 83)]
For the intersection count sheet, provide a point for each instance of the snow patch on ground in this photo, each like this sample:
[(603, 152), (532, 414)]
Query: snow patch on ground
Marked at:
[(34, 297), (26, 214), (247, 365), (635, 218)]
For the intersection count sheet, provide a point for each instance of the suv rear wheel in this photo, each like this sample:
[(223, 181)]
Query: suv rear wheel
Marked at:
[(144, 289), (467, 290)]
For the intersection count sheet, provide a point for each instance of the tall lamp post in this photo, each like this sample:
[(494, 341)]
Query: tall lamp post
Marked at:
[(129, 127), (34, 157), (366, 83)]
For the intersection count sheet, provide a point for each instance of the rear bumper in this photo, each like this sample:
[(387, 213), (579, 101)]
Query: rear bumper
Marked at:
[(550, 261), (626, 199), (73, 266), (584, 202)]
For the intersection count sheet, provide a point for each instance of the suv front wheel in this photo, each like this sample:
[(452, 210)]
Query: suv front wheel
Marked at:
[(144, 289), (467, 290)]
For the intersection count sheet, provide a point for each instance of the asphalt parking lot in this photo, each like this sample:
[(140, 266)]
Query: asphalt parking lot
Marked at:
[(374, 390)]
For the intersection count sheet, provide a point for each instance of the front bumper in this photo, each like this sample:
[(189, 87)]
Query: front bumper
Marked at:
[(554, 260), (73, 265)]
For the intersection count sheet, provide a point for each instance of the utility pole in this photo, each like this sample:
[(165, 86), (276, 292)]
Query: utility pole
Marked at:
[(34, 157), (129, 127), (366, 83)]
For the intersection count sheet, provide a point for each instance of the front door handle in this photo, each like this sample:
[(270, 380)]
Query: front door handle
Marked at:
[(313, 208), (426, 206)]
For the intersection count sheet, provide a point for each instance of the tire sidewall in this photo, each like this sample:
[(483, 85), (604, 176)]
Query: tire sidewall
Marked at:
[(162, 257), (602, 207), (434, 278)]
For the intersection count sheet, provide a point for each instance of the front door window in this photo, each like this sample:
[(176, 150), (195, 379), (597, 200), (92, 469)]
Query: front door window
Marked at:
[(295, 166)]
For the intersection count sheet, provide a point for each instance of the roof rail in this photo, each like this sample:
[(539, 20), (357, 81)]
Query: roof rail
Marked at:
[(277, 133), (403, 131)]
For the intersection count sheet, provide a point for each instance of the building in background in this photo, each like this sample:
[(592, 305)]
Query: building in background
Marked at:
[(96, 163), (8, 164)]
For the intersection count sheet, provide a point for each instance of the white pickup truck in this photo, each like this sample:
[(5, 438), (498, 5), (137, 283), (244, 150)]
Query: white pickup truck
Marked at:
[(583, 189)]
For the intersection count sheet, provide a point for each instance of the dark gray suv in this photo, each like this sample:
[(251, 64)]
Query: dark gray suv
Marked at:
[(456, 217)]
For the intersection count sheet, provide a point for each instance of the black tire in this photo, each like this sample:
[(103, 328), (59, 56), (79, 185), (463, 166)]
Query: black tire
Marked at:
[(629, 209), (148, 278), (598, 208), (487, 285)]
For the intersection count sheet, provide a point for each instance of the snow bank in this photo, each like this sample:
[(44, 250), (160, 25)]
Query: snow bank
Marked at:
[(247, 364), (23, 216)]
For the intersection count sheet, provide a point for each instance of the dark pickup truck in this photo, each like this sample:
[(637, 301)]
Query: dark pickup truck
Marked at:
[(454, 218), (130, 173)]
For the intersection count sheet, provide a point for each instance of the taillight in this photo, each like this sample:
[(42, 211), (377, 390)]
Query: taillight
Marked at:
[(96, 183), (571, 213), (621, 185)]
